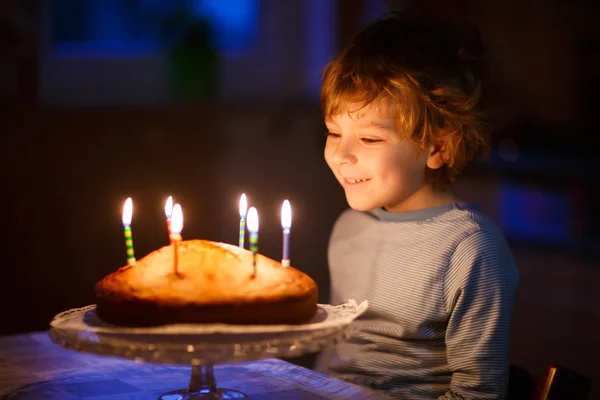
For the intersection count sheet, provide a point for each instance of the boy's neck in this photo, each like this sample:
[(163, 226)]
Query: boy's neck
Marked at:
[(425, 197)]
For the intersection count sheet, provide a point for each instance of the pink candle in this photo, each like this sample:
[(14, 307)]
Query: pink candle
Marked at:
[(168, 213)]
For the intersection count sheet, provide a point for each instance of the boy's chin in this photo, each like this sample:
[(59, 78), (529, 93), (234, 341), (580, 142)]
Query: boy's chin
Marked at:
[(361, 205)]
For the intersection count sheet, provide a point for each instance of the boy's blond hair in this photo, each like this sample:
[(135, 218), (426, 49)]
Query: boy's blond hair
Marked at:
[(423, 73)]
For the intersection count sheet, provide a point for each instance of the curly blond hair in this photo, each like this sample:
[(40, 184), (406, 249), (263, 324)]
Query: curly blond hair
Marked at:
[(425, 73)]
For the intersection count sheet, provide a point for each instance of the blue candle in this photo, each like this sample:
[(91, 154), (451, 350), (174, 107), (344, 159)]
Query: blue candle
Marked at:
[(286, 224)]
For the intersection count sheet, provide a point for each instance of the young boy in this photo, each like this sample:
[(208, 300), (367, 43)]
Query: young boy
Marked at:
[(401, 108)]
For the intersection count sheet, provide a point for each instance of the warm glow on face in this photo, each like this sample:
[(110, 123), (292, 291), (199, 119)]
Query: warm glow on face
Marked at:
[(127, 212), (243, 206), (177, 220), (169, 207), (286, 215), (374, 163), (252, 220)]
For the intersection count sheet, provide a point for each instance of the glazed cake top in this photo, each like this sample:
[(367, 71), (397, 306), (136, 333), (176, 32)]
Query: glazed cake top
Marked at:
[(210, 273)]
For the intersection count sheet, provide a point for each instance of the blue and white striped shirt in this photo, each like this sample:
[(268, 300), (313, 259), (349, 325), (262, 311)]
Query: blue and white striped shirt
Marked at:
[(440, 284)]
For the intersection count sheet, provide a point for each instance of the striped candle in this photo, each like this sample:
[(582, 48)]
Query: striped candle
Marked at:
[(243, 211), (286, 224), (176, 228), (127, 216), (253, 229)]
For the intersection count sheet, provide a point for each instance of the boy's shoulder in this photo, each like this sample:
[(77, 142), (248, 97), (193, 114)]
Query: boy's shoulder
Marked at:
[(470, 219), (476, 234)]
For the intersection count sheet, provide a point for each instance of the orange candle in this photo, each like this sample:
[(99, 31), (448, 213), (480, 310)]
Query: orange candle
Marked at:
[(176, 228)]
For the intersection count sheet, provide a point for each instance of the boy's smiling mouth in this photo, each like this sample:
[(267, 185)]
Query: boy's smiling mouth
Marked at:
[(353, 181)]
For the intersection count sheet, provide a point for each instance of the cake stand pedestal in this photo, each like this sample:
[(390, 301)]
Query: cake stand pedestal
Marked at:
[(203, 345), (203, 385)]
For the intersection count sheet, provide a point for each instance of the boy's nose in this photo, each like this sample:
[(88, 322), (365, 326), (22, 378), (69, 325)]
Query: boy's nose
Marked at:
[(344, 154)]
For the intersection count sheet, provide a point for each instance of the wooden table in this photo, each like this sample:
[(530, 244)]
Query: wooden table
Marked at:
[(32, 367)]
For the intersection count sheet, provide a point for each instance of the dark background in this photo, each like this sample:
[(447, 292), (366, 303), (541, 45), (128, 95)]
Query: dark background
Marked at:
[(204, 100)]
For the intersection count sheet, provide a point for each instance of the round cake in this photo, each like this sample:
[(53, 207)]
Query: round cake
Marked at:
[(216, 282)]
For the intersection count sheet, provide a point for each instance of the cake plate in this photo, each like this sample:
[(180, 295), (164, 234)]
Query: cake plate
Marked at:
[(203, 345)]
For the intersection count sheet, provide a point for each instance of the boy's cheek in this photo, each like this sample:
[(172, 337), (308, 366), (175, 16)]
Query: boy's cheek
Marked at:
[(330, 165), (327, 154)]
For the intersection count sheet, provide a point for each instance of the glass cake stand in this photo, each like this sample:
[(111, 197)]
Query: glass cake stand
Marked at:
[(202, 345)]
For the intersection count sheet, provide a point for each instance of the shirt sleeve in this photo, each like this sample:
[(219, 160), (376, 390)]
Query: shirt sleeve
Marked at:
[(479, 288)]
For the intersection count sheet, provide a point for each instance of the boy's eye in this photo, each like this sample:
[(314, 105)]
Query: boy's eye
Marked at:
[(332, 134), (371, 140)]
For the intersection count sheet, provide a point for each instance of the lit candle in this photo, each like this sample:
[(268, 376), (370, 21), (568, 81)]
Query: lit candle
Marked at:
[(176, 228), (243, 211), (127, 214), (286, 224), (253, 229), (168, 213)]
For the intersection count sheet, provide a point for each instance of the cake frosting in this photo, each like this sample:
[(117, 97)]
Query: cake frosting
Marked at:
[(216, 282)]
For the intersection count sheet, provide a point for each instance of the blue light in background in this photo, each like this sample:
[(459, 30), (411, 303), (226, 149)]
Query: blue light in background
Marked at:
[(235, 22), (321, 41), (534, 214)]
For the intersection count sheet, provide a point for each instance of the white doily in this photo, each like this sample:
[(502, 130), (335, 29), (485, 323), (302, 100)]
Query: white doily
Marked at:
[(80, 329), (85, 319)]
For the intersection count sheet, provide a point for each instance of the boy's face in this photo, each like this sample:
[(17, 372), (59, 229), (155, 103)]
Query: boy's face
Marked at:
[(373, 163)]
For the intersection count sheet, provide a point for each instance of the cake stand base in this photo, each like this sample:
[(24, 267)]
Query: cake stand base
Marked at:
[(203, 386), (216, 394)]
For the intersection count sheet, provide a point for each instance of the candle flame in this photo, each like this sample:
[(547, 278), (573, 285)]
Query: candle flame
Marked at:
[(127, 211), (169, 207), (252, 220), (243, 206), (286, 215), (177, 220)]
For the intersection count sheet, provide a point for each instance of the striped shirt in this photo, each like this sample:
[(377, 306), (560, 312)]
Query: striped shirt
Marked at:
[(440, 284)]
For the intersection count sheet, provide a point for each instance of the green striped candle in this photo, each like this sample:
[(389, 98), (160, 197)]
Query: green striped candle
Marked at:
[(253, 229), (127, 215), (243, 212)]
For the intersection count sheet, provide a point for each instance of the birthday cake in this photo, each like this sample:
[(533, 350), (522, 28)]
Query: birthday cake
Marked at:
[(214, 282)]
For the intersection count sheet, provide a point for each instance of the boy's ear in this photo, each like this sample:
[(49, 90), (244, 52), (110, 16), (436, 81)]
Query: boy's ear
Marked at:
[(436, 156)]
